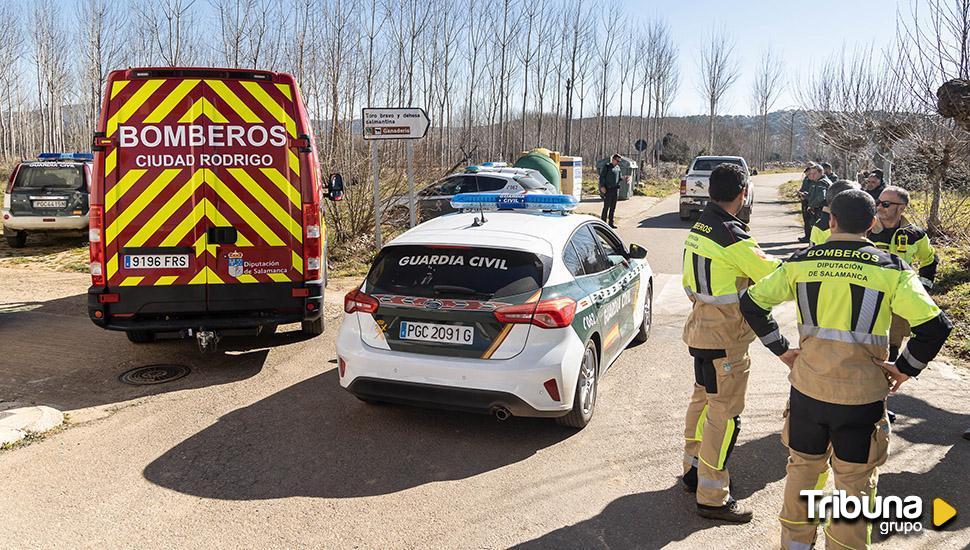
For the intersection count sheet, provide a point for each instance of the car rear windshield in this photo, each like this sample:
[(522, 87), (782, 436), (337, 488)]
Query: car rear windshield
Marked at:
[(465, 272), (39, 176), (708, 165)]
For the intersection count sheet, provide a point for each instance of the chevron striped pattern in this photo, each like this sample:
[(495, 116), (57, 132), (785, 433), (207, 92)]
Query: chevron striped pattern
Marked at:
[(174, 206)]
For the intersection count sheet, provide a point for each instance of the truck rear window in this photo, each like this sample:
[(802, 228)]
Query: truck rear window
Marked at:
[(40, 176), (433, 272), (708, 165)]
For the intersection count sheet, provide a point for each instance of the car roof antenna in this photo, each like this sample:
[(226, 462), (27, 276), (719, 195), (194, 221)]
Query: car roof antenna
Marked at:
[(480, 220)]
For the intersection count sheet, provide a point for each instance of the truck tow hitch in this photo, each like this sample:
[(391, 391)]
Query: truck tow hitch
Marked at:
[(208, 340)]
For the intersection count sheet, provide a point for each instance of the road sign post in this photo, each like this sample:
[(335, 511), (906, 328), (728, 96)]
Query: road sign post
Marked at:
[(393, 123)]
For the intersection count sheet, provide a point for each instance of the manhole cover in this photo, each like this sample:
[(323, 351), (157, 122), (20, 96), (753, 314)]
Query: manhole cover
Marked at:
[(154, 374)]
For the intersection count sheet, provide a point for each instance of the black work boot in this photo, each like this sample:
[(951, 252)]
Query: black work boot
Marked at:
[(732, 511), (690, 480)]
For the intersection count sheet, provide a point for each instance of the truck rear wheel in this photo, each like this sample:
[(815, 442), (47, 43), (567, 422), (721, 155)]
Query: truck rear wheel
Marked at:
[(140, 336), (17, 240), (312, 328)]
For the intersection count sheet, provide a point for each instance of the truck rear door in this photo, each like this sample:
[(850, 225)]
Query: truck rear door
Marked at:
[(155, 207), (253, 185)]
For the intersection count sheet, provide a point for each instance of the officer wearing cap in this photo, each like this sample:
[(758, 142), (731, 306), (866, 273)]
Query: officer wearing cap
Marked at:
[(720, 258), (821, 231), (846, 291), (895, 233)]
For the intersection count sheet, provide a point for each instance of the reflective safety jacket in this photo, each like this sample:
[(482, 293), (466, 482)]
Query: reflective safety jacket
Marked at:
[(720, 259), (910, 243), (821, 231), (847, 290)]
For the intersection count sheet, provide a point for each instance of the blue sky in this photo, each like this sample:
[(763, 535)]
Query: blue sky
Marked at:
[(802, 32)]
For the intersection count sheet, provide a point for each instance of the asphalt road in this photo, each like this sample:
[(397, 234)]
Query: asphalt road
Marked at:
[(259, 446)]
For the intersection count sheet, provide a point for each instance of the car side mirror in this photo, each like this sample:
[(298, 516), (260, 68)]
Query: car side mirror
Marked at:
[(335, 187), (754, 172), (637, 252)]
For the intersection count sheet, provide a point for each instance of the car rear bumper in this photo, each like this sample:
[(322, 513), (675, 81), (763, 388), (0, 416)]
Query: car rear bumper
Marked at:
[(176, 308), (444, 397), (44, 223), (477, 385)]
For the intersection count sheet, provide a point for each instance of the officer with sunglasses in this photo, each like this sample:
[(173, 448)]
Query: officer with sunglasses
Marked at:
[(894, 233)]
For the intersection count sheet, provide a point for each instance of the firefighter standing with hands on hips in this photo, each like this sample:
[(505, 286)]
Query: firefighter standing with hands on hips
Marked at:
[(846, 291), (720, 258)]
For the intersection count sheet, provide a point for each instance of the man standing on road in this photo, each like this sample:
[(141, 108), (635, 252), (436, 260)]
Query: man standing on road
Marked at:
[(609, 188), (720, 258), (812, 194), (829, 174), (821, 230), (874, 184), (894, 233), (846, 290)]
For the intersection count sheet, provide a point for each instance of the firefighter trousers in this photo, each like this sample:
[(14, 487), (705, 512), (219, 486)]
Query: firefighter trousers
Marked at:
[(714, 419), (854, 440)]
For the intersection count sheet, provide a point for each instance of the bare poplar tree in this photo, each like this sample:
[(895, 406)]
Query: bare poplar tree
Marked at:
[(606, 52), (768, 83), (718, 70)]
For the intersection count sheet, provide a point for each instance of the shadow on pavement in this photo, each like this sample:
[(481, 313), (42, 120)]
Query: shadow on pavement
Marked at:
[(948, 477), (314, 439), (54, 355), (644, 520), (667, 220)]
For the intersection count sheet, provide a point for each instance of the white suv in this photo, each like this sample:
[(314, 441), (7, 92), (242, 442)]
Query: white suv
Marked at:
[(694, 194)]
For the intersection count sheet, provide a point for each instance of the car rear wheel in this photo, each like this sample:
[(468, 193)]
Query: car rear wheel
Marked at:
[(584, 400), (745, 214), (684, 214), (644, 331), (140, 336), (267, 330), (312, 328), (17, 240)]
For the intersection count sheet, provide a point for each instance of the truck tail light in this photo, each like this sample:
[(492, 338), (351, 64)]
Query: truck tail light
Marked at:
[(683, 186), (312, 237), (355, 300), (95, 232), (554, 313)]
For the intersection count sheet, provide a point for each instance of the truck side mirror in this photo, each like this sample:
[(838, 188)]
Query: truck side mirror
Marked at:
[(304, 143), (335, 187)]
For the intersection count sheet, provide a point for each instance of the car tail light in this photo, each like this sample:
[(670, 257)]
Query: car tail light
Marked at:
[(95, 231), (312, 236), (683, 186), (552, 388), (355, 300), (554, 313)]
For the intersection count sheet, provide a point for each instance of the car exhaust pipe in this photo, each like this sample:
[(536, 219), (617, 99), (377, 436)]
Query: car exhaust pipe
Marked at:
[(501, 413)]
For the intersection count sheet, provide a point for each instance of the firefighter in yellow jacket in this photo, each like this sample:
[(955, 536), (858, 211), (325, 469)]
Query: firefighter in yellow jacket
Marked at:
[(720, 259), (846, 291), (893, 232)]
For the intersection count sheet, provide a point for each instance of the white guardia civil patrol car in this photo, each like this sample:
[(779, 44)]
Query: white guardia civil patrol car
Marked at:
[(512, 306)]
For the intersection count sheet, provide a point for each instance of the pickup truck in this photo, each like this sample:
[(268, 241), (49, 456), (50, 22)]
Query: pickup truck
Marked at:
[(693, 186)]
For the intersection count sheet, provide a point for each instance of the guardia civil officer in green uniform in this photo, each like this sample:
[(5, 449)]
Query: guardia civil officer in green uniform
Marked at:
[(812, 193), (720, 259), (821, 231), (895, 233), (846, 291)]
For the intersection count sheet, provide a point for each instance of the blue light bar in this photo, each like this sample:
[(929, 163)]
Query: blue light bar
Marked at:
[(472, 169), (513, 201), (65, 156)]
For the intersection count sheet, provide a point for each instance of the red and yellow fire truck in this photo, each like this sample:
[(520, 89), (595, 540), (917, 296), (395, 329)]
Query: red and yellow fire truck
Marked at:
[(205, 205)]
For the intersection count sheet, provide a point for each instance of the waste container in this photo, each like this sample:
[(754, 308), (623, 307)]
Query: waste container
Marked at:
[(571, 172), (628, 167), (541, 160)]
